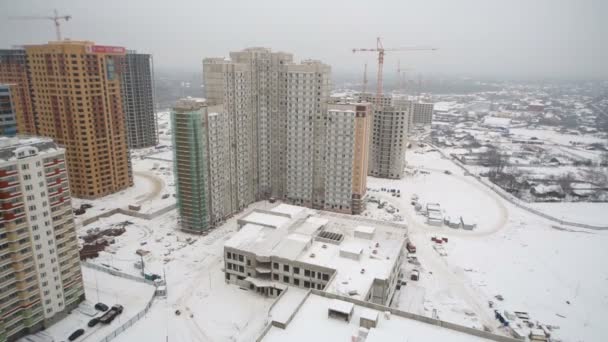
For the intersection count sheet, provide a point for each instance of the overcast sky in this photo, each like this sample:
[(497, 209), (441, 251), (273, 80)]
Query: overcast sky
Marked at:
[(518, 38)]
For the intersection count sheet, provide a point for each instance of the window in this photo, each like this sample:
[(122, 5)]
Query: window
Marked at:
[(296, 282), (306, 273), (325, 277), (275, 266), (286, 268), (306, 284), (285, 279), (241, 258), (241, 269), (275, 276), (296, 270), (312, 274), (228, 255)]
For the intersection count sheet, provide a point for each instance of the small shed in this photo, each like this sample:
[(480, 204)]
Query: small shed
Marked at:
[(467, 224), (161, 291), (340, 309), (368, 318), (434, 218)]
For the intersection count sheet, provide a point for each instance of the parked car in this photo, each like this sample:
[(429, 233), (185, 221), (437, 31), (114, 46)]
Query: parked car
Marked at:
[(101, 307), (93, 322), (111, 314), (86, 206), (76, 334)]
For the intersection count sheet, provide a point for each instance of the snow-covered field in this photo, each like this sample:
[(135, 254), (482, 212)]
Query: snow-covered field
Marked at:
[(210, 309), (556, 274), (582, 212)]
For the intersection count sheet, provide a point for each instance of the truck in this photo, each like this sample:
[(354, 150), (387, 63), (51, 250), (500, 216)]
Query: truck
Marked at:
[(411, 248)]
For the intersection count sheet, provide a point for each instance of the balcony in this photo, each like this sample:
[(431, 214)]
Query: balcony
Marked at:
[(8, 206), (6, 173), (60, 201), (54, 162), (9, 195), (9, 217), (8, 183)]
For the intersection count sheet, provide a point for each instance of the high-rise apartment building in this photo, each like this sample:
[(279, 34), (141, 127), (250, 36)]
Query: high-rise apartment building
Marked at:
[(389, 142), (250, 86), (346, 157), (8, 125), (40, 277), (14, 71), (265, 96), (308, 85), (222, 203), (138, 98), (76, 86)]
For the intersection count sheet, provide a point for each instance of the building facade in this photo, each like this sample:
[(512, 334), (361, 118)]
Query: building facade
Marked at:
[(8, 124), (76, 86), (389, 142), (308, 85), (291, 246), (138, 98), (422, 113), (14, 71), (277, 116), (40, 276), (346, 157)]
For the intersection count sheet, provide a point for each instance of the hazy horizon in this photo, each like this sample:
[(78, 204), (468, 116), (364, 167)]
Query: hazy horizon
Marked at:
[(559, 39)]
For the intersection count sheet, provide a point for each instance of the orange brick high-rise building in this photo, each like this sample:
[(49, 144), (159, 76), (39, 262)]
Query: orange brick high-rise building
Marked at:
[(77, 95)]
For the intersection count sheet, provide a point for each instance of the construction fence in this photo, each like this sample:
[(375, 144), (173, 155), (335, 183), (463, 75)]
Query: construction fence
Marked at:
[(130, 322)]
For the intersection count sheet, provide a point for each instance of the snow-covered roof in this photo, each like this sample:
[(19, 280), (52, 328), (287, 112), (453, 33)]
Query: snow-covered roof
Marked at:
[(310, 322), (10, 146), (291, 210), (341, 306), (365, 229), (493, 121), (294, 240)]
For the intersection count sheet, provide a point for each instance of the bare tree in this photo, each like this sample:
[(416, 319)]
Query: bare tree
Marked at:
[(495, 160)]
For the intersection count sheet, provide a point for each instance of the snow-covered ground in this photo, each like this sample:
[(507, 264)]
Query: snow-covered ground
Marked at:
[(556, 274), (99, 287), (210, 309), (555, 137), (582, 212)]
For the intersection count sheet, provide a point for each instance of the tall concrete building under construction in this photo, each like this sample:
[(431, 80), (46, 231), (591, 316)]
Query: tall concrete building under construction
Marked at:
[(40, 276), (138, 98), (14, 71), (389, 142), (76, 86), (190, 163)]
